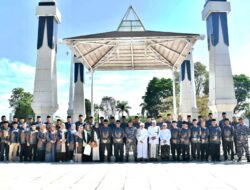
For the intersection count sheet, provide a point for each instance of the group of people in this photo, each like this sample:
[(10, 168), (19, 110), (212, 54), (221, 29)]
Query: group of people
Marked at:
[(86, 141)]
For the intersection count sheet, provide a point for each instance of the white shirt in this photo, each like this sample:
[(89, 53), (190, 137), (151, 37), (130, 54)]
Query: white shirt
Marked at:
[(165, 135), (142, 135), (154, 132)]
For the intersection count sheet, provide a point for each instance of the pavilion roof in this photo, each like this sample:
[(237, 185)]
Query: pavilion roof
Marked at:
[(132, 47)]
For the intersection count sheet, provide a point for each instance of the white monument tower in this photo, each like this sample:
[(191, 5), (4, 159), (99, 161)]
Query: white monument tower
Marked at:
[(188, 104), (45, 87), (76, 91), (221, 87)]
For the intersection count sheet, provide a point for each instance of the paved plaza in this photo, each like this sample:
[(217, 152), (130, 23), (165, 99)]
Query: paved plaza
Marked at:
[(132, 176)]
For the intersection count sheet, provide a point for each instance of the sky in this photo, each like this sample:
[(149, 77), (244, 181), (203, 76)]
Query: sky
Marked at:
[(18, 39)]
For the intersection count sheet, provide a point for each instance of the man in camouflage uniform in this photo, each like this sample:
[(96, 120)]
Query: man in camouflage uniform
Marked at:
[(241, 132)]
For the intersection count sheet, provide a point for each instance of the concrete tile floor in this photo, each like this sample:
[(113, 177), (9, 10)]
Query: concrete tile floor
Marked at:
[(218, 176)]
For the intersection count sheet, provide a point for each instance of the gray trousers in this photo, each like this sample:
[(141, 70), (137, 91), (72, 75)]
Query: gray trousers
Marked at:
[(133, 147)]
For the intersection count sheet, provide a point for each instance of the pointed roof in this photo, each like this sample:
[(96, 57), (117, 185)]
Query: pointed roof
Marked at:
[(132, 47), (131, 22)]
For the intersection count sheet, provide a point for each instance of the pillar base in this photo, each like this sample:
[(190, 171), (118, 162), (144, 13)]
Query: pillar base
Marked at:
[(193, 113), (223, 106), (44, 111)]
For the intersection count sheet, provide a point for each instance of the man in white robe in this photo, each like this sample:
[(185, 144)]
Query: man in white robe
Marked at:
[(165, 136), (153, 134), (142, 144)]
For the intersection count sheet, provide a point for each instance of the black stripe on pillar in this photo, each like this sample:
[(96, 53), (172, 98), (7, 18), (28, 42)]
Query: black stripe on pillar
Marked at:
[(41, 26), (47, 3), (50, 31)]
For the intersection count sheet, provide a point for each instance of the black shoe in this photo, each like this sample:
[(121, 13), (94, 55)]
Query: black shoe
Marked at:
[(239, 159), (248, 159)]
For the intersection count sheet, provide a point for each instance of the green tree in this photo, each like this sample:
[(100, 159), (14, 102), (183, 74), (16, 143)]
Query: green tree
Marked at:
[(157, 91), (20, 102), (242, 91), (177, 83), (143, 108), (202, 105), (201, 79), (122, 107), (88, 107), (167, 106), (206, 85)]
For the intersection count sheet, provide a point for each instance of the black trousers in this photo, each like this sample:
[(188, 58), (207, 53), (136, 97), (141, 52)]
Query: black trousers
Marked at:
[(195, 150), (41, 155), (215, 151), (119, 152), (61, 156), (228, 149), (175, 150), (32, 152), (104, 146), (204, 151), (165, 152), (185, 151), (70, 155), (4, 151), (24, 152)]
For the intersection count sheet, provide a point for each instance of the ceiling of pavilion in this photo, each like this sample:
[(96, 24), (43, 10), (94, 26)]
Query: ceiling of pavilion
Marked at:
[(132, 47)]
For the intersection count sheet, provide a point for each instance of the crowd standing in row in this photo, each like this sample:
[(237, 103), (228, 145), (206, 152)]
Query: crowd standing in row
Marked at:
[(150, 141)]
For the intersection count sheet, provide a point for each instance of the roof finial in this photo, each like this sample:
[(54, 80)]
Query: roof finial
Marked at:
[(131, 21)]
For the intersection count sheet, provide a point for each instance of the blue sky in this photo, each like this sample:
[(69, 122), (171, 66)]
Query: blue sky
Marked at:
[(19, 35)]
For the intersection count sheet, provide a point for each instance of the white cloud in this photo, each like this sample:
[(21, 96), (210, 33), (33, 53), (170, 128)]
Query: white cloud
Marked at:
[(17, 74), (22, 68)]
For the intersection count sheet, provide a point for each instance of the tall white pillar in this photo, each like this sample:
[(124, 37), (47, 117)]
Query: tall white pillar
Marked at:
[(188, 104), (71, 88), (78, 90), (174, 96), (45, 86), (92, 93), (221, 87)]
